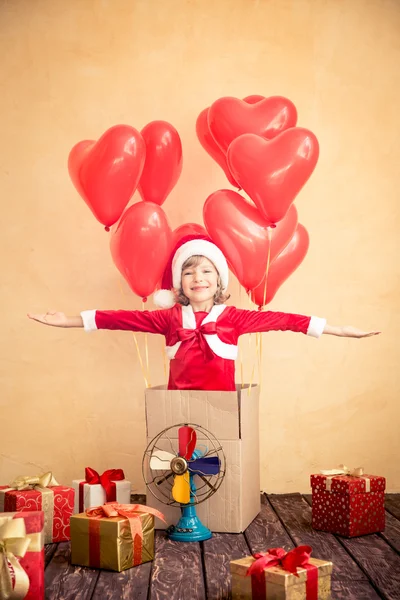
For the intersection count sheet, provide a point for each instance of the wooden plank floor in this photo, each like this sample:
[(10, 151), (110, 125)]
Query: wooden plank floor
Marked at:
[(366, 568)]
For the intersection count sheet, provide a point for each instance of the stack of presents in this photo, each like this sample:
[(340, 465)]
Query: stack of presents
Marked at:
[(108, 532)]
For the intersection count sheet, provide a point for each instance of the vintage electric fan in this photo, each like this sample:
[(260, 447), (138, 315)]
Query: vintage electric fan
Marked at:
[(183, 466)]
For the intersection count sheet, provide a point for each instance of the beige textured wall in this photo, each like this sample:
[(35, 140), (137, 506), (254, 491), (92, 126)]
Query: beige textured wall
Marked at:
[(69, 70)]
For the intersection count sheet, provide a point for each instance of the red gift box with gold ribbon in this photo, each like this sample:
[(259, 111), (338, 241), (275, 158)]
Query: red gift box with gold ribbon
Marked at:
[(113, 536), (348, 503), (281, 575), (37, 493), (21, 543)]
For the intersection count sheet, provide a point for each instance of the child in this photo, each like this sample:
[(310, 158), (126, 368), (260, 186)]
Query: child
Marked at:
[(201, 332)]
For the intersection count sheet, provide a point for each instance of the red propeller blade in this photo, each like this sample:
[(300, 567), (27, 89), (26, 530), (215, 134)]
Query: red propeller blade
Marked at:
[(187, 441)]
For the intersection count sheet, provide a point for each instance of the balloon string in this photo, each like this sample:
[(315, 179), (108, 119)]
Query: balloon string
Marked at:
[(240, 345), (267, 270), (164, 345), (136, 343), (255, 358), (260, 362), (265, 299), (146, 347), (250, 308), (141, 361), (254, 363)]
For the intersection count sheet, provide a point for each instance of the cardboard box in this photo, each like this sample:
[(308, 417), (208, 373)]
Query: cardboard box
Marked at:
[(232, 417)]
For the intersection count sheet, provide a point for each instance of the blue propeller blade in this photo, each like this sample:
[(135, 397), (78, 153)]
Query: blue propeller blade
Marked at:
[(209, 465)]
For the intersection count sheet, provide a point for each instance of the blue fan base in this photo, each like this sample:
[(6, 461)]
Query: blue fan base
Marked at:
[(189, 527)]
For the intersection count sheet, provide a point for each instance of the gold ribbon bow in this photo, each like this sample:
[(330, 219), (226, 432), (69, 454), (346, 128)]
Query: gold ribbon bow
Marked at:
[(39, 483), (343, 470), (25, 483), (14, 581)]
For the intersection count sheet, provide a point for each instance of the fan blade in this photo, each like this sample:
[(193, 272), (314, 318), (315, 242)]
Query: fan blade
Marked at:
[(181, 488), (209, 465), (161, 460), (187, 441)]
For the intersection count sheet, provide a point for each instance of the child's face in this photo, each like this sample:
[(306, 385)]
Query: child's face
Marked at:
[(200, 282)]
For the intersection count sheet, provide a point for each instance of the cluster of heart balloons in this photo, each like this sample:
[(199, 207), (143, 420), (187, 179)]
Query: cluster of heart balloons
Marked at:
[(260, 149)]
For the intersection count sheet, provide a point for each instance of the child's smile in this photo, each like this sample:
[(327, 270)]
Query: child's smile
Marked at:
[(200, 282)]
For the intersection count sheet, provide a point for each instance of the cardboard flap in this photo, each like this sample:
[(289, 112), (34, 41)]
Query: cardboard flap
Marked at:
[(216, 411)]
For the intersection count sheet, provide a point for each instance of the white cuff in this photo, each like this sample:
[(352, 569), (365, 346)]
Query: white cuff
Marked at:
[(316, 327), (89, 320)]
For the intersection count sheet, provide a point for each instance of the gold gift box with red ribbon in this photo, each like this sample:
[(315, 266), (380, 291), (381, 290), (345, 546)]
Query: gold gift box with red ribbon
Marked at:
[(113, 536), (280, 575)]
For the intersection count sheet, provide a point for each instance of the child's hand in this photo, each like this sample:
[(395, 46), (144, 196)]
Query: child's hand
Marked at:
[(56, 319), (349, 331)]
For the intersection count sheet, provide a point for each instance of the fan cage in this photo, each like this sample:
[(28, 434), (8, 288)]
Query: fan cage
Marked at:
[(160, 485)]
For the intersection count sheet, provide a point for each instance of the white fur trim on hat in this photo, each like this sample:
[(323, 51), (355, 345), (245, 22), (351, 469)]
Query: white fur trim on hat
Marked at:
[(164, 298), (199, 248)]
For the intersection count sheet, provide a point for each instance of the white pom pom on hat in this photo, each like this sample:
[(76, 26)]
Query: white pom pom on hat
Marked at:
[(164, 298), (186, 248)]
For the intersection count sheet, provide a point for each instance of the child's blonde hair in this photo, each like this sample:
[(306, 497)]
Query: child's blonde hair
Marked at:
[(219, 297)]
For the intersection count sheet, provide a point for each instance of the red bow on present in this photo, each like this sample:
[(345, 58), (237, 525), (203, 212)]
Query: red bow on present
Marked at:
[(130, 511), (107, 480), (289, 561), (191, 335)]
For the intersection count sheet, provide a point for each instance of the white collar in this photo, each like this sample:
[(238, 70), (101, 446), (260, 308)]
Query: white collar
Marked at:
[(189, 320)]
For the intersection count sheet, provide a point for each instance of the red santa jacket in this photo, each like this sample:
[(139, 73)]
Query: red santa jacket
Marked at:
[(201, 346)]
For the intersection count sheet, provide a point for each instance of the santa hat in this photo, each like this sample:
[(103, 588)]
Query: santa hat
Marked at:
[(188, 246)]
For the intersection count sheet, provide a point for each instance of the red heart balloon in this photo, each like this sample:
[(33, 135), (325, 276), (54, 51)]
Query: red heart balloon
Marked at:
[(229, 118), (141, 245), (210, 145), (242, 234), (106, 173), (163, 164), (272, 172), (282, 267), (185, 230), (253, 99)]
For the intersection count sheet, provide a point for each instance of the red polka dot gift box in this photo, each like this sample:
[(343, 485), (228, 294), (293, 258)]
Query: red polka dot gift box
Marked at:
[(348, 505)]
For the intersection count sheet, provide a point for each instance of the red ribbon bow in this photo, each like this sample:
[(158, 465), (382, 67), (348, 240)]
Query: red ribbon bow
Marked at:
[(193, 335), (107, 480), (289, 561)]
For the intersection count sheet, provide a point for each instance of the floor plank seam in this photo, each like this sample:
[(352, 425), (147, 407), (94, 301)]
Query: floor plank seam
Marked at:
[(203, 566), (247, 543), (150, 579), (50, 558), (377, 590), (280, 520), (95, 585), (388, 542), (392, 513)]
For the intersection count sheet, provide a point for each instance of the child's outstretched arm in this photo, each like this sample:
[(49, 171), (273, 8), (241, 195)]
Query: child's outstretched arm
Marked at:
[(149, 321), (252, 321), (57, 319), (348, 331)]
